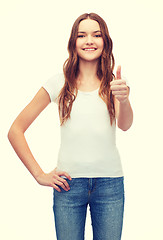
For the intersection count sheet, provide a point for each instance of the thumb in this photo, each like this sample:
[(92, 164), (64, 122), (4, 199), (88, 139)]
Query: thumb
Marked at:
[(118, 72)]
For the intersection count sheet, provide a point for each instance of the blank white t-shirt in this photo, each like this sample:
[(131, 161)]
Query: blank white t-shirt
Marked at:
[(88, 142)]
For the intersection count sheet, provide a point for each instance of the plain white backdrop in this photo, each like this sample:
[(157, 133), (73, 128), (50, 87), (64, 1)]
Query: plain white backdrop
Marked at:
[(33, 47)]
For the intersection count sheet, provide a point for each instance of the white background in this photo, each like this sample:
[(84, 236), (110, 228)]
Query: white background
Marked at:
[(33, 47)]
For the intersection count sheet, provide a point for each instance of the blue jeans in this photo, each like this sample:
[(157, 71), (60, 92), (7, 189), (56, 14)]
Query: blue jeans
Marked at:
[(105, 196)]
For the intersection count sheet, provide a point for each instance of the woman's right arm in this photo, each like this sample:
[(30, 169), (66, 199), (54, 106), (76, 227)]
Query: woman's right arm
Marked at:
[(20, 145)]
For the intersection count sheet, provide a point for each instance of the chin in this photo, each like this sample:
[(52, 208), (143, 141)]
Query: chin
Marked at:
[(89, 58)]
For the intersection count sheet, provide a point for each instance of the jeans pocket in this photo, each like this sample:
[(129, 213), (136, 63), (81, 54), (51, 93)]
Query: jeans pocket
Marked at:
[(112, 188)]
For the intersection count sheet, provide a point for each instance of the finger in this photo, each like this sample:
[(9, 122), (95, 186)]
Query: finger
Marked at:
[(118, 82), (61, 173), (63, 184), (115, 93), (57, 188), (119, 88), (61, 180), (118, 72)]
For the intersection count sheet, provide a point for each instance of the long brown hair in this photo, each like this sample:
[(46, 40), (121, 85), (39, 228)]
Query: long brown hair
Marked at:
[(71, 69)]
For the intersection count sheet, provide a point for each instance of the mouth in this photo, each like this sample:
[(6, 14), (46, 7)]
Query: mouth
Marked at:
[(89, 49)]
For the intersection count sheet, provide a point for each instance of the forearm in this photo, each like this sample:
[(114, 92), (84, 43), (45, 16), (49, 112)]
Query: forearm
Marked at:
[(125, 115), (19, 143)]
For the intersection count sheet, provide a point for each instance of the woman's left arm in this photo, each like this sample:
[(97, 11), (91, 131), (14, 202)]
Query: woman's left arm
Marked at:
[(123, 110)]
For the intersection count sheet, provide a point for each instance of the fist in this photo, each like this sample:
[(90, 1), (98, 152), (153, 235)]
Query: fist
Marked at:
[(119, 88)]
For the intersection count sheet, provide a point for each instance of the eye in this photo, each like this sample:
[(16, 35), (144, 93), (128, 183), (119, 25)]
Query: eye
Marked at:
[(97, 35), (81, 36)]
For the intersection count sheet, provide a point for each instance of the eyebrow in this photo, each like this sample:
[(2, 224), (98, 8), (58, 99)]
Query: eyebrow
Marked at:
[(93, 32)]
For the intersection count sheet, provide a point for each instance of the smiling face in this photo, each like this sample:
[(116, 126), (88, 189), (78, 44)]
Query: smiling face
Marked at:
[(89, 43)]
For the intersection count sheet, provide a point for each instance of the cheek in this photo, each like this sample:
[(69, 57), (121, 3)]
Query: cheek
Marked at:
[(101, 43), (78, 43), (77, 46)]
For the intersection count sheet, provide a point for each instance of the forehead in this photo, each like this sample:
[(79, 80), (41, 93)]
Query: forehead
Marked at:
[(88, 25)]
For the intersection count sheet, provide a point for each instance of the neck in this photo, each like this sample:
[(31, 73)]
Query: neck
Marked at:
[(87, 71)]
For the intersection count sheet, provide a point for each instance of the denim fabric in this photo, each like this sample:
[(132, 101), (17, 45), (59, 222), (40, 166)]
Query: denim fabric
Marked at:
[(105, 196)]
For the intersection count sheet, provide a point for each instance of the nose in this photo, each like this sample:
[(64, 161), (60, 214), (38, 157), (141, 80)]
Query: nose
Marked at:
[(89, 40)]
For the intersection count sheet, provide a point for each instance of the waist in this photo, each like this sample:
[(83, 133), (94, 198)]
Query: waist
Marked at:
[(94, 165)]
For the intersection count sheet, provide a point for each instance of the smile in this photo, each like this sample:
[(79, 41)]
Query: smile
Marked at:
[(89, 49)]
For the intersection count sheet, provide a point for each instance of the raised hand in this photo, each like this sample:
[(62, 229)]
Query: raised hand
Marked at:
[(119, 87)]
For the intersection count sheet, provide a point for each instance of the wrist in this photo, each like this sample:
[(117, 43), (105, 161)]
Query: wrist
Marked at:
[(38, 174), (124, 102)]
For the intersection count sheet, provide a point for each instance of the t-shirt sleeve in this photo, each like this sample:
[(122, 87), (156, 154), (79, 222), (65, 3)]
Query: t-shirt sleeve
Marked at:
[(53, 86)]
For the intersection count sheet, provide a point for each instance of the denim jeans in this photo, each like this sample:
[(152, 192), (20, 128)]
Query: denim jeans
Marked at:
[(105, 196)]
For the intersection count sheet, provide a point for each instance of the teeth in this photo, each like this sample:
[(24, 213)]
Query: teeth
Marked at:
[(89, 49)]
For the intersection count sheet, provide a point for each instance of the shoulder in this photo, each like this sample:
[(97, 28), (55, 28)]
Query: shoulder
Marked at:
[(56, 80), (53, 85)]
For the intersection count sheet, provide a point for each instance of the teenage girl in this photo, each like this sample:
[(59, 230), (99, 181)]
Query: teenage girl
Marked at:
[(91, 102)]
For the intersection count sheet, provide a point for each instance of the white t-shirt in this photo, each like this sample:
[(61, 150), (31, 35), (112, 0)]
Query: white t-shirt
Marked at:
[(88, 142)]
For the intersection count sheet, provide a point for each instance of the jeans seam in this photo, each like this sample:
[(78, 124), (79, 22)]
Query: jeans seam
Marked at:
[(94, 188)]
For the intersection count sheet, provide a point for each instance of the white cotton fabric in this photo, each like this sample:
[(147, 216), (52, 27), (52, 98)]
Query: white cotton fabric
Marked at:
[(88, 141)]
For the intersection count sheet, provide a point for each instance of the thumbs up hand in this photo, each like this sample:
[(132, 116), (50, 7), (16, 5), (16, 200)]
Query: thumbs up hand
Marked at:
[(119, 88)]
